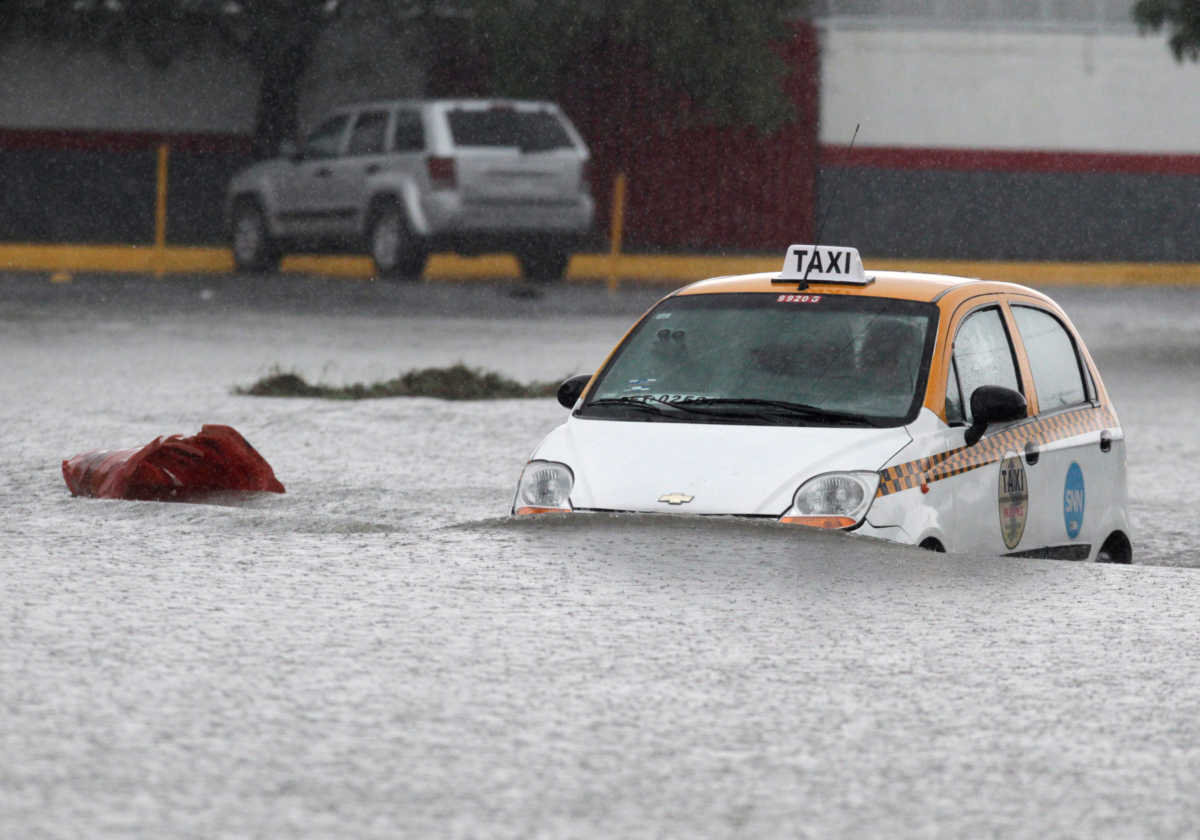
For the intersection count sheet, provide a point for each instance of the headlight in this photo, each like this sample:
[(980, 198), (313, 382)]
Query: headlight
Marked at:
[(545, 487), (833, 500)]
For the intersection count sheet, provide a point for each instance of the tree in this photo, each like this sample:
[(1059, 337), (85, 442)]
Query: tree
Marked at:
[(1180, 17), (717, 53), (279, 36)]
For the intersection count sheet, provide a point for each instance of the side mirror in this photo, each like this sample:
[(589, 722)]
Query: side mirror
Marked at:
[(288, 149), (569, 391), (993, 404)]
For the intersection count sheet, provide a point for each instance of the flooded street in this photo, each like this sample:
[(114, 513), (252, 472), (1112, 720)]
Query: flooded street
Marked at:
[(381, 652)]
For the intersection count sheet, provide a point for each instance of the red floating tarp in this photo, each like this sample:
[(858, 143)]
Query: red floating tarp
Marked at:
[(174, 467)]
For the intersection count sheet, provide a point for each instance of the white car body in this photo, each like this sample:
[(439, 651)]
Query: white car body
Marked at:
[(738, 470)]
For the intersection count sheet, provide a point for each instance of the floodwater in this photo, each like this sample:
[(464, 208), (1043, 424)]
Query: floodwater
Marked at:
[(380, 652)]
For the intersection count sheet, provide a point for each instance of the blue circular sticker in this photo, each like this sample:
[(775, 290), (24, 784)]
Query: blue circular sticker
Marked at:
[(1073, 500)]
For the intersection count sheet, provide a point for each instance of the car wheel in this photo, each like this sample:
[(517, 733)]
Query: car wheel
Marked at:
[(398, 255), (545, 265), (253, 248), (1116, 549)]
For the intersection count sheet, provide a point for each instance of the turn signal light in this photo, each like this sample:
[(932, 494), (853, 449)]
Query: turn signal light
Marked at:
[(832, 522)]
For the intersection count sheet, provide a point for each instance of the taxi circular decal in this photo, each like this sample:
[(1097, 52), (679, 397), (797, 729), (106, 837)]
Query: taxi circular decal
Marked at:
[(1074, 500), (1014, 499)]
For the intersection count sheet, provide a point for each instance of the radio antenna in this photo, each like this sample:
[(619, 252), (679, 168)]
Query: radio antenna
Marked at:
[(832, 197)]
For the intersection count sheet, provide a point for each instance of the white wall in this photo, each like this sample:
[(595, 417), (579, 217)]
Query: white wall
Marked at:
[(361, 57), (1007, 90), (60, 86), (212, 88)]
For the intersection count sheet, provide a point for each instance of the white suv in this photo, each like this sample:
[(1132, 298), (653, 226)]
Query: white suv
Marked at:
[(406, 178)]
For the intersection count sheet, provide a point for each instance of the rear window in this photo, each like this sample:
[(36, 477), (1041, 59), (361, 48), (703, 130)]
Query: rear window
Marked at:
[(530, 131)]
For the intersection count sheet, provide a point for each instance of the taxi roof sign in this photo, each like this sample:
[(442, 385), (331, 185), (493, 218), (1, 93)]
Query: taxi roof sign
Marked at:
[(822, 264)]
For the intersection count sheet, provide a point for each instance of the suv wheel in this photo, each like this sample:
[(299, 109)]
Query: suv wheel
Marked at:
[(253, 248), (398, 255), (543, 265)]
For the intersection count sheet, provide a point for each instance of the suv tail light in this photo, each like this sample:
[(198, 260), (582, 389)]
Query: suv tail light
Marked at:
[(442, 173)]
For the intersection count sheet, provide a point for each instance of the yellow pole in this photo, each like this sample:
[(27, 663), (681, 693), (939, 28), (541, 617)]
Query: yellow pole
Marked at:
[(160, 213), (618, 226)]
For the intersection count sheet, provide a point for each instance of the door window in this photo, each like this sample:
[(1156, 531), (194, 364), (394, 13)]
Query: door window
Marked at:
[(368, 134), (409, 134), (1057, 375), (954, 403), (983, 355), (325, 140)]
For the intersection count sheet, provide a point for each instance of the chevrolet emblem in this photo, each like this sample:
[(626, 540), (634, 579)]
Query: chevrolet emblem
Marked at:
[(675, 498)]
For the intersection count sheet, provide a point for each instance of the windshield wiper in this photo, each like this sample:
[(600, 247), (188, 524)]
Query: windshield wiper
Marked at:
[(651, 405), (791, 409), (731, 407)]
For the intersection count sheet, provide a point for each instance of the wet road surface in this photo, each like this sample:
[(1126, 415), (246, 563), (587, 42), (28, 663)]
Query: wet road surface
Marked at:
[(381, 652)]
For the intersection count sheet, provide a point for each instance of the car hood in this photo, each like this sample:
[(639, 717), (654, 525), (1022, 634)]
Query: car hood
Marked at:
[(729, 469)]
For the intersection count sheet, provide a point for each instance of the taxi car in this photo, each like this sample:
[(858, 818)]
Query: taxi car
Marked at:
[(951, 413)]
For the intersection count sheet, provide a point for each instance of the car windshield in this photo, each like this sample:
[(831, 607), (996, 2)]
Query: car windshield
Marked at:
[(526, 130), (770, 359)]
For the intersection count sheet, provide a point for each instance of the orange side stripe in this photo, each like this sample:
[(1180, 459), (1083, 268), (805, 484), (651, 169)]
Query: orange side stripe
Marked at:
[(992, 449)]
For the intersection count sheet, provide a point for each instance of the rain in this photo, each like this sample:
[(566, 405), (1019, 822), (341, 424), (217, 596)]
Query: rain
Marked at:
[(383, 650)]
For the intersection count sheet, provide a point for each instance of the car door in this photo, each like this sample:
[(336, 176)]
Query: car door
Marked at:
[(408, 144), (1072, 483), (986, 483), (364, 156), (306, 193)]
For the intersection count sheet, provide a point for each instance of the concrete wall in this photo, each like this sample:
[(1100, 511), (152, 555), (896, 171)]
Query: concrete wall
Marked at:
[(1007, 89), (1008, 144), (210, 87), (362, 56), (992, 144), (60, 86)]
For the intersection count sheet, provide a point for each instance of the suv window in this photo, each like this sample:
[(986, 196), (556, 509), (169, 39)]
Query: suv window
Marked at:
[(1057, 376), (983, 355), (409, 134), (368, 134), (531, 131), (325, 140)]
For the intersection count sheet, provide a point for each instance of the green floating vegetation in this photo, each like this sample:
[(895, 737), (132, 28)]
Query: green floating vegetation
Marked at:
[(457, 382)]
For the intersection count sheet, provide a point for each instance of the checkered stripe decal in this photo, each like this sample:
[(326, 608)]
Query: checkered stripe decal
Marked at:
[(992, 448)]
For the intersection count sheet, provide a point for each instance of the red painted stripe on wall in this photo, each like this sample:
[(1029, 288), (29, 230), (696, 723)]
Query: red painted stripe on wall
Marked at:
[(879, 157), (1009, 160)]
